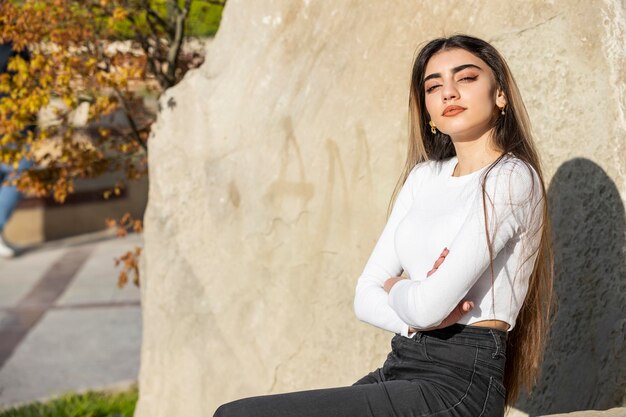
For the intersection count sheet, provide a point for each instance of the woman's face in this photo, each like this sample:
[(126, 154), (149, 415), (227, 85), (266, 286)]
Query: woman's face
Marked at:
[(460, 93)]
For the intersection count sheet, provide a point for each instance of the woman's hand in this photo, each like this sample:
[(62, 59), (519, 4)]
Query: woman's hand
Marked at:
[(391, 282), (439, 261), (459, 311)]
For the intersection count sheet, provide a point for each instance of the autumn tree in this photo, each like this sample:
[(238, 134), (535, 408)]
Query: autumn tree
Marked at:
[(74, 66)]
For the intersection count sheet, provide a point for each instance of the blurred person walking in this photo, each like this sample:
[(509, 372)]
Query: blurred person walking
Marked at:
[(9, 195)]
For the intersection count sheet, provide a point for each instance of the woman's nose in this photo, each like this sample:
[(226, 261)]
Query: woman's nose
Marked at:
[(449, 92)]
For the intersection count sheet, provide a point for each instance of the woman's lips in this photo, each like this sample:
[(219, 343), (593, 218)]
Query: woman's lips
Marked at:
[(453, 111)]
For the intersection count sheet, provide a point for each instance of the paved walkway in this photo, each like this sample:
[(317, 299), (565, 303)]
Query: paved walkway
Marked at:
[(64, 323)]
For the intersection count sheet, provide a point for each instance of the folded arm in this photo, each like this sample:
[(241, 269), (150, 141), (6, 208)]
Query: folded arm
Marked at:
[(513, 194)]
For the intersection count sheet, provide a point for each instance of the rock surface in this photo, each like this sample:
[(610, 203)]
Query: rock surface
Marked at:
[(272, 166), (613, 412)]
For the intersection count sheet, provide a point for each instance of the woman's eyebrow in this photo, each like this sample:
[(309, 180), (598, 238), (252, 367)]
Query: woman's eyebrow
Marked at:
[(454, 71)]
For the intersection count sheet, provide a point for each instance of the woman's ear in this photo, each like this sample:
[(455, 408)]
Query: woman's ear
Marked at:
[(501, 100)]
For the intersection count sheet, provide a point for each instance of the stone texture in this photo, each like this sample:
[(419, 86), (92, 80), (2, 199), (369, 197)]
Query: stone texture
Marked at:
[(613, 412), (272, 166)]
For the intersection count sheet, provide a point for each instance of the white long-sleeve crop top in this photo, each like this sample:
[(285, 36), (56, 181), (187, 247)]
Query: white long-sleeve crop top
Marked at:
[(435, 210)]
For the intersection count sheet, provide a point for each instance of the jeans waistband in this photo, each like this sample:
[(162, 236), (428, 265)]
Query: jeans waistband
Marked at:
[(469, 335)]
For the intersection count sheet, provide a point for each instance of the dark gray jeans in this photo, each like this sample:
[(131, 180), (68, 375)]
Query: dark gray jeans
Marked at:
[(454, 371)]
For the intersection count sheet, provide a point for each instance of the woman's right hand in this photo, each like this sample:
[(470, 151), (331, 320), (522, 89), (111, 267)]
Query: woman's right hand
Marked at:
[(459, 311)]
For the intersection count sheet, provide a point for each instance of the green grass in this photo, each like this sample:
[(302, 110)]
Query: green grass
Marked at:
[(90, 404)]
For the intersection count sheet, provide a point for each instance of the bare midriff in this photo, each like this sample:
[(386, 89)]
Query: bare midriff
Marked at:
[(497, 324)]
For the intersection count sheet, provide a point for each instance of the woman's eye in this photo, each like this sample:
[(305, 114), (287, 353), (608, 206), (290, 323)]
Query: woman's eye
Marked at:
[(469, 78)]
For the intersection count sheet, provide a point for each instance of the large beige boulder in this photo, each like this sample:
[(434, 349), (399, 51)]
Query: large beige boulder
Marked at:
[(272, 165)]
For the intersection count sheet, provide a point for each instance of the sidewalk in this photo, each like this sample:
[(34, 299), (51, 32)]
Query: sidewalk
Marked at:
[(64, 323)]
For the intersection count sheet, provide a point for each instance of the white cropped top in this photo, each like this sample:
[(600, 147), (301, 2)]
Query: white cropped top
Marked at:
[(435, 210)]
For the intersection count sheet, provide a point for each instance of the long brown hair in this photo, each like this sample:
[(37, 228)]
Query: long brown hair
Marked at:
[(511, 134)]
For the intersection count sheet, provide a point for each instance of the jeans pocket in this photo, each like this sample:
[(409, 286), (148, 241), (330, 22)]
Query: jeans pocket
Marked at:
[(493, 405), (449, 354)]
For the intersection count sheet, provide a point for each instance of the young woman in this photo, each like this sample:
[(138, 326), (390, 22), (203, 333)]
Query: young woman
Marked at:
[(470, 228)]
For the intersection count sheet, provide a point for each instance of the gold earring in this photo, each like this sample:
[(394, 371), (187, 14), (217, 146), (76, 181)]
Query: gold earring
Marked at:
[(433, 129)]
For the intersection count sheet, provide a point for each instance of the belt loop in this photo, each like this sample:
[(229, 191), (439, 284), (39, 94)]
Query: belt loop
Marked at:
[(418, 336), (497, 341)]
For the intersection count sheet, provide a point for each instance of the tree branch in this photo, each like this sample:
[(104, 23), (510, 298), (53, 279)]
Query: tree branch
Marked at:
[(213, 2), (151, 12), (174, 52), (131, 121), (153, 56)]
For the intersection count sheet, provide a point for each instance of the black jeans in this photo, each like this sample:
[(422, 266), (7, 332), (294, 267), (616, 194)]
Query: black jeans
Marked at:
[(454, 371)]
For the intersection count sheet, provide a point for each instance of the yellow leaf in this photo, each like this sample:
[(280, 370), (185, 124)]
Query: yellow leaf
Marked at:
[(119, 13), (122, 279)]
